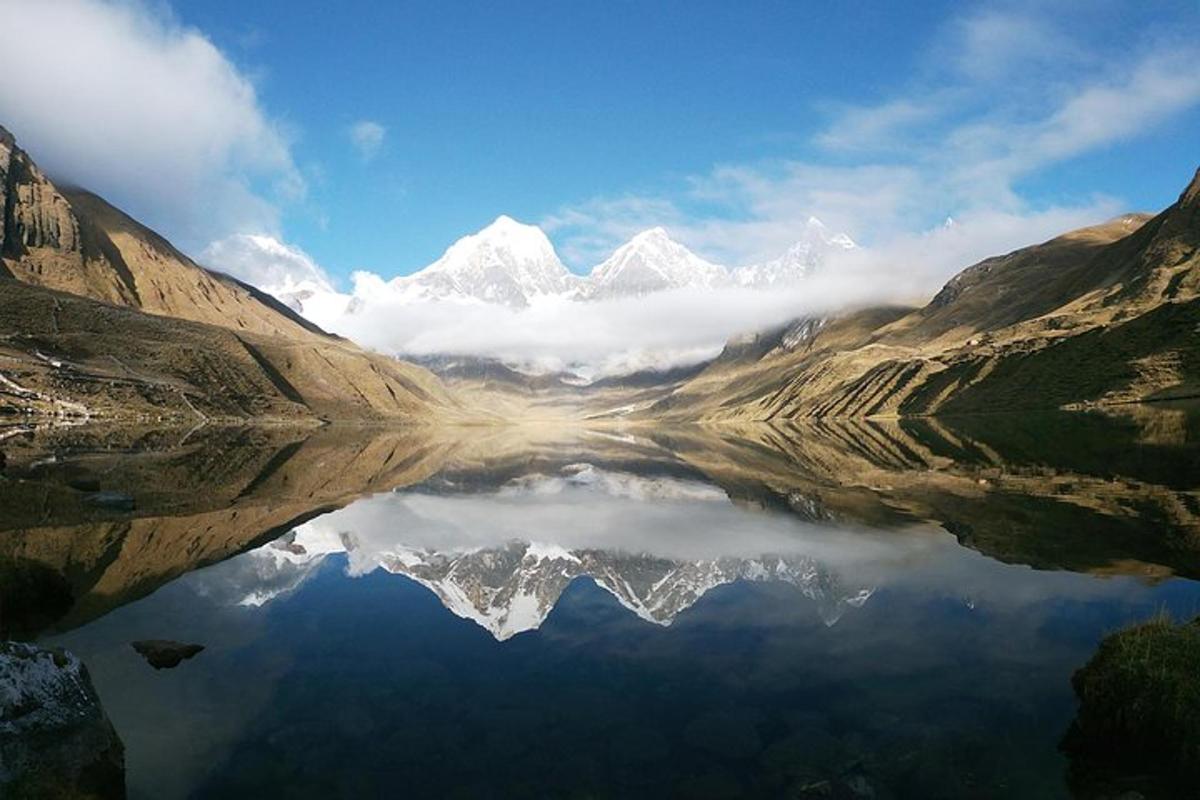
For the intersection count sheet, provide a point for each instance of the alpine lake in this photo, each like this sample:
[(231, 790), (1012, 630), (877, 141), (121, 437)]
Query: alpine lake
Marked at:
[(878, 609)]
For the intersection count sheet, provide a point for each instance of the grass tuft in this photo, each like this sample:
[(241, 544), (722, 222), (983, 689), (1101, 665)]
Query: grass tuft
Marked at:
[(1139, 703)]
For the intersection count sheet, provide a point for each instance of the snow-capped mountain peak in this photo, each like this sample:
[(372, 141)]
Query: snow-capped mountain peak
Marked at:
[(514, 264), (282, 270), (649, 262), (808, 253), (816, 233), (507, 262)]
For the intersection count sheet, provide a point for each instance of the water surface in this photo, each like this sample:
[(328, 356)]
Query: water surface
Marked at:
[(870, 610)]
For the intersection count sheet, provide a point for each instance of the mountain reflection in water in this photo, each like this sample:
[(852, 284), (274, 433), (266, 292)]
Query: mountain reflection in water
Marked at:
[(825, 610)]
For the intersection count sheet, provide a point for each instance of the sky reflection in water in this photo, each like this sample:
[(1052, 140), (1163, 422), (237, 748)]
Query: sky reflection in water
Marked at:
[(583, 630)]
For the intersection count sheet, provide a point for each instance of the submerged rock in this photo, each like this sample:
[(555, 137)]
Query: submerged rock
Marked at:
[(164, 654), (55, 739)]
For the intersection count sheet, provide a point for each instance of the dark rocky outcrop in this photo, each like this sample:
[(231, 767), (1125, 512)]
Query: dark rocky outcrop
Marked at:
[(55, 739)]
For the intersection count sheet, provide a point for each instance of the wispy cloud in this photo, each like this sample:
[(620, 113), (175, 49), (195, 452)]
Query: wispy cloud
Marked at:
[(151, 114), (886, 126), (994, 44), (366, 136), (1007, 93)]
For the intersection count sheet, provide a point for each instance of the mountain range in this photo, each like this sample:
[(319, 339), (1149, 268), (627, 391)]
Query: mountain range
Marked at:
[(101, 317), (515, 265)]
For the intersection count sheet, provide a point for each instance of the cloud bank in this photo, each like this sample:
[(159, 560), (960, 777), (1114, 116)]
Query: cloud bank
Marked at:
[(147, 113), (265, 261), (656, 331)]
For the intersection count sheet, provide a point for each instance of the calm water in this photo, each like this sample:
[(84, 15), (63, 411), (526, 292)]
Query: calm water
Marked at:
[(867, 611)]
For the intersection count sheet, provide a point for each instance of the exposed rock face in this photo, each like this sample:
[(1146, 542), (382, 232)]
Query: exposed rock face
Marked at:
[(40, 241), (73, 241), (55, 739), (35, 214), (86, 353)]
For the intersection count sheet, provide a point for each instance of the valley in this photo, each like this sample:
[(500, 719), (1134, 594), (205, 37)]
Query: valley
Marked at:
[(101, 318), (780, 401)]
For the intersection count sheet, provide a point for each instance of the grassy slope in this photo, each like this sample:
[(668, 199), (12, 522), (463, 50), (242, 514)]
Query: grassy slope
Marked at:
[(72, 355), (1101, 315)]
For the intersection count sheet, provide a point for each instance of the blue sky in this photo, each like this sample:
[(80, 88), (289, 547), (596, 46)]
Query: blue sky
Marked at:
[(727, 122)]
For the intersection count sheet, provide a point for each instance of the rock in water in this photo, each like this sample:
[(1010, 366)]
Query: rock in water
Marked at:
[(55, 739), (163, 654)]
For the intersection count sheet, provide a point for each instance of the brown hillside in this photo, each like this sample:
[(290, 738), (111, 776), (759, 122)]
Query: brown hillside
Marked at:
[(1100, 315), (101, 315), (71, 356)]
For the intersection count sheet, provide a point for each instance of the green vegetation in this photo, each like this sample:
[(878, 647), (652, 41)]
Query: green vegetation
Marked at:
[(1139, 707)]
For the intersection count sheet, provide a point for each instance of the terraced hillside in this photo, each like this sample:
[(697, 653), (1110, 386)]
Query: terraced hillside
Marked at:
[(1103, 315)]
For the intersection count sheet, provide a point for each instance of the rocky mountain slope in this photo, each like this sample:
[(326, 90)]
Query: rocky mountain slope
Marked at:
[(1107, 314), (100, 316)]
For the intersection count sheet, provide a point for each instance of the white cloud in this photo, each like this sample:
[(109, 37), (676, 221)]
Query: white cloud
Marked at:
[(148, 113), (956, 145), (1094, 116), (881, 127), (367, 138), (593, 338), (265, 261), (660, 330)]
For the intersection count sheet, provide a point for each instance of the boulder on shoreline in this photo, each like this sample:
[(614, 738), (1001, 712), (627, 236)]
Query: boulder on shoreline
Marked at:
[(55, 739)]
